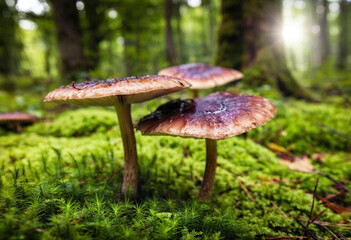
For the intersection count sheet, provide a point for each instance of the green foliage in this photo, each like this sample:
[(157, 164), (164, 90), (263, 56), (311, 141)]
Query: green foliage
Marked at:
[(306, 128), (77, 122), (54, 184)]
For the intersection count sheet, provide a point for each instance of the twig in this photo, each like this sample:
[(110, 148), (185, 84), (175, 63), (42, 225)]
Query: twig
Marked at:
[(240, 183), (245, 190), (336, 225), (314, 196), (330, 231), (341, 134), (317, 216), (281, 211), (310, 232), (113, 174), (286, 237), (339, 184)]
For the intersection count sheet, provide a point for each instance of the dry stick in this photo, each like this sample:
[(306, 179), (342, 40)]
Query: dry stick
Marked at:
[(339, 184), (341, 134), (280, 210), (113, 174), (330, 231), (336, 225), (241, 185), (286, 237), (314, 196), (245, 190), (317, 216), (314, 236)]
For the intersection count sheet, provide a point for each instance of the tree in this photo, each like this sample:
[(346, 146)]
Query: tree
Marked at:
[(170, 48), (96, 30), (230, 34), (10, 50), (257, 45), (343, 36), (69, 37), (324, 35)]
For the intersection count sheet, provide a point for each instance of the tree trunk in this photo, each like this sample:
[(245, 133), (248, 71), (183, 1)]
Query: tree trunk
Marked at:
[(315, 45), (264, 47), (324, 36), (343, 36), (10, 50), (256, 45), (170, 49), (69, 36), (180, 33), (95, 16), (211, 26), (230, 34)]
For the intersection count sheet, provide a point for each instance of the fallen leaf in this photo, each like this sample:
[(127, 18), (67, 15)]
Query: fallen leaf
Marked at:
[(301, 164), (334, 207), (318, 157)]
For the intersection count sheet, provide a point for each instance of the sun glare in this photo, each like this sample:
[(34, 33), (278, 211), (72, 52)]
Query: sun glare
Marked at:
[(292, 32)]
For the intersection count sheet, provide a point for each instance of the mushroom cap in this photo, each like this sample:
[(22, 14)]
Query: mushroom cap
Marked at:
[(202, 76), (217, 116), (17, 117), (111, 91)]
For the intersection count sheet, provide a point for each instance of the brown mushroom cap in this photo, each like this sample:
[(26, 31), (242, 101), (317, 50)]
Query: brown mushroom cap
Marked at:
[(17, 117), (107, 93), (202, 76), (216, 116)]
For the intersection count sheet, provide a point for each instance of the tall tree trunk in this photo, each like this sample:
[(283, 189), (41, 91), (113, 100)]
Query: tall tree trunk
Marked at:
[(181, 51), (95, 16), (171, 53), (260, 41), (230, 34), (10, 50), (211, 29), (343, 36), (264, 47), (324, 36), (69, 36), (315, 45)]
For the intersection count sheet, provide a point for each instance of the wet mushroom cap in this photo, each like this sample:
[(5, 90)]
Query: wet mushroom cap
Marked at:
[(109, 92), (202, 76), (216, 116), (17, 117)]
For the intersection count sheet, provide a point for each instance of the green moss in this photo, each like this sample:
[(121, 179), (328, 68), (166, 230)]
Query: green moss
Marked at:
[(305, 128), (63, 181)]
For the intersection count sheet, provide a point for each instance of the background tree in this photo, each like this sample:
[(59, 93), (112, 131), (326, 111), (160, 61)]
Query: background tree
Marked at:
[(95, 30), (324, 34), (170, 47), (69, 36), (260, 41), (10, 46), (230, 34), (343, 36)]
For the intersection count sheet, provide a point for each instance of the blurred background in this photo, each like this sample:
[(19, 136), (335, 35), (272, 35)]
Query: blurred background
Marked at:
[(296, 48)]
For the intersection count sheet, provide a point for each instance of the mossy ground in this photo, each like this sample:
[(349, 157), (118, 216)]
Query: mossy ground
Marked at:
[(62, 178)]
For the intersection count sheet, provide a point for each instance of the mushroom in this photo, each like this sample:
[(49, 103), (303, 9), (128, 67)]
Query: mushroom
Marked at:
[(120, 93), (202, 76), (16, 120), (217, 116)]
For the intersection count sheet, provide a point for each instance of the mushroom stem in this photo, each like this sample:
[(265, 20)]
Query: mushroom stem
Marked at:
[(195, 93), (210, 170), (130, 178)]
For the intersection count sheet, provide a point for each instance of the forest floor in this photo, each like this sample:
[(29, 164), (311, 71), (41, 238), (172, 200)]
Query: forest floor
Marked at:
[(61, 178)]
